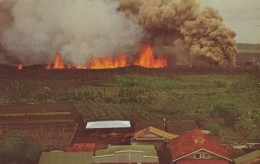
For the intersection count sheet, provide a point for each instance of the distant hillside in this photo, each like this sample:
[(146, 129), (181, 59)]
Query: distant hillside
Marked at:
[(248, 48)]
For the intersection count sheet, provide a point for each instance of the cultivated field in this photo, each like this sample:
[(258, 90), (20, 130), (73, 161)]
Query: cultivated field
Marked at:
[(178, 93)]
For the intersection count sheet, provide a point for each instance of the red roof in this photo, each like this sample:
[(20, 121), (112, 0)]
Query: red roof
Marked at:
[(193, 141), (83, 147)]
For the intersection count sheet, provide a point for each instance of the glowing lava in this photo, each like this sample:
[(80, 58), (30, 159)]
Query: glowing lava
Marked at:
[(108, 62), (58, 63), (147, 59), (20, 66)]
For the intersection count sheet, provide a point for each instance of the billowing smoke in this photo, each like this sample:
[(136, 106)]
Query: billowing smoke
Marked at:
[(190, 32), (35, 30)]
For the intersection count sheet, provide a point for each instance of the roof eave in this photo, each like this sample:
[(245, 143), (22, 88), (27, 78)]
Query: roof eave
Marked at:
[(174, 160)]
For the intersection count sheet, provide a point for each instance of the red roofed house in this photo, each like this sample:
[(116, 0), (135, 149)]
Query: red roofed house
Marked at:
[(193, 147)]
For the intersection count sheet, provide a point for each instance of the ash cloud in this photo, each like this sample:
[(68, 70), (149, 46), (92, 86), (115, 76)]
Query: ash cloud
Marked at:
[(35, 30), (189, 31)]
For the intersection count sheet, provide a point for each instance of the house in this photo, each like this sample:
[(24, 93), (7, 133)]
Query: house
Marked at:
[(107, 132), (152, 136), (194, 147), (143, 154), (250, 158), (174, 127), (66, 158)]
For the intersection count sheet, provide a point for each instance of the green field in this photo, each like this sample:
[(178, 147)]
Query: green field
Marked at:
[(142, 97)]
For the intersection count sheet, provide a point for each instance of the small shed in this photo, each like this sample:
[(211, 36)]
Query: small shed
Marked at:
[(113, 132), (143, 154), (250, 158)]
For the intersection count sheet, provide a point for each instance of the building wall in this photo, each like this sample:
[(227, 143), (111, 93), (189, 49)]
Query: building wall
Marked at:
[(202, 161), (253, 161), (157, 144), (202, 157)]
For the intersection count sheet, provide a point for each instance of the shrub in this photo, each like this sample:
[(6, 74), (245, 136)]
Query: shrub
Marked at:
[(213, 128), (20, 149)]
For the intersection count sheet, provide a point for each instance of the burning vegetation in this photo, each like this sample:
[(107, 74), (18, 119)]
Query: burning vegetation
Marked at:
[(145, 59)]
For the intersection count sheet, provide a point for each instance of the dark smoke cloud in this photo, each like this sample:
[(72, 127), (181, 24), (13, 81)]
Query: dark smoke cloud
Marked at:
[(32, 31), (182, 25)]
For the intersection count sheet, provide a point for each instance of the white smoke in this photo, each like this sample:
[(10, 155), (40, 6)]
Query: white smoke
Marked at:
[(78, 29)]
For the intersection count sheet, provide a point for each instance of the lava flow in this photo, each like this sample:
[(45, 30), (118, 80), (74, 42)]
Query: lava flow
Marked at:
[(58, 63), (108, 62), (20, 66), (145, 59)]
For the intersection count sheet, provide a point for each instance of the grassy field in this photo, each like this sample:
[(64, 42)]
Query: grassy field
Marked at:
[(140, 97)]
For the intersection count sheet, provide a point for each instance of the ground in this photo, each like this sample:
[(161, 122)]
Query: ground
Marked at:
[(178, 93)]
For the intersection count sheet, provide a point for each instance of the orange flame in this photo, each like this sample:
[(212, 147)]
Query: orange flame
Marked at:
[(108, 62), (147, 59), (58, 63), (20, 66), (81, 66), (144, 59)]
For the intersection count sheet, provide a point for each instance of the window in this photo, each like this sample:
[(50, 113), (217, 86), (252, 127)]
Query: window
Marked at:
[(206, 156), (197, 156)]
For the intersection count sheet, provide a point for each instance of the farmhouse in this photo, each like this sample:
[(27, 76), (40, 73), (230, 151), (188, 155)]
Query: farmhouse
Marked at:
[(152, 136), (143, 154), (53, 125), (193, 147)]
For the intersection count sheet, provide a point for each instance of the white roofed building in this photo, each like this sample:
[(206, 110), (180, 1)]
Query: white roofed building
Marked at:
[(107, 132), (108, 124)]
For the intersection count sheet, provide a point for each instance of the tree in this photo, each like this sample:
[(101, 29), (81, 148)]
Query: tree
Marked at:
[(19, 149), (213, 128), (249, 125), (228, 112)]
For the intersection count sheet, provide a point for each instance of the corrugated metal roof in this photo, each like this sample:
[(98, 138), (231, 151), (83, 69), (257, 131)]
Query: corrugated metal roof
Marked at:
[(66, 158), (108, 124), (160, 133), (148, 150)]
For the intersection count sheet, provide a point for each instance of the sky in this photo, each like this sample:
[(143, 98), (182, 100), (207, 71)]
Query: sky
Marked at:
[(242, 16)]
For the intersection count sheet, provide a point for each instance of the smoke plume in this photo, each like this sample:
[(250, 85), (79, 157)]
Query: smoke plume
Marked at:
[(32, 31), (35, 30), (184, 27)]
